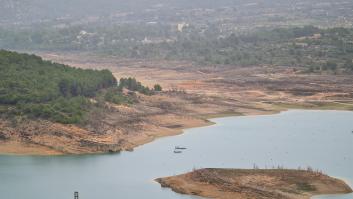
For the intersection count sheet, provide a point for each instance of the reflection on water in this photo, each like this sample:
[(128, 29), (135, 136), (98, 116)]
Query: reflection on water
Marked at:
[(321, 139)]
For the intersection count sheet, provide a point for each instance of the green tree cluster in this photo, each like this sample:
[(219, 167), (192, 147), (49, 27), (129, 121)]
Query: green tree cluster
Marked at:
[(38, 88), (114, 95), (133, 85), (157, 87)]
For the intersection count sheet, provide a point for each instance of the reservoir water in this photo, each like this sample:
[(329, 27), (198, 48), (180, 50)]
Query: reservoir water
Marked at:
[(320, 139)]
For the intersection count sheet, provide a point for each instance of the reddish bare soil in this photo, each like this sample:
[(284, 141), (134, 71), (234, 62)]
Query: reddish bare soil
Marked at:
[(192, 93), (254, 184)]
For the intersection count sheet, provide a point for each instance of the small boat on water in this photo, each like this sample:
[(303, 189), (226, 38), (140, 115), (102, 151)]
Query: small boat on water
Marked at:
[(180, 148), (175, 151)]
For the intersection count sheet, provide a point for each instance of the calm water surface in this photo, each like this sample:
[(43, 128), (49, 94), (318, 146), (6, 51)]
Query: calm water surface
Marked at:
[(320, 139)]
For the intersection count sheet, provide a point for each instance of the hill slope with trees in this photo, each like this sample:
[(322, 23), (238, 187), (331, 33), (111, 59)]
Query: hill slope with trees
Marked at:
[(33, 87)]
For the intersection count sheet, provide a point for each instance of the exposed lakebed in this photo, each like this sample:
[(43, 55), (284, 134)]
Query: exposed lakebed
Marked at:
[(320, 139)]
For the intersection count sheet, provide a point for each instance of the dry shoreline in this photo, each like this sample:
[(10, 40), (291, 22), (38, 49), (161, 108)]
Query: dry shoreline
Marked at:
[(189, 99), (209, 117), (255, 183), (20, 148)]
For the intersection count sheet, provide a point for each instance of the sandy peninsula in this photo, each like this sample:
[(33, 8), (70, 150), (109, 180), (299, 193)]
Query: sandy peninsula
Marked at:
[(255, 184)]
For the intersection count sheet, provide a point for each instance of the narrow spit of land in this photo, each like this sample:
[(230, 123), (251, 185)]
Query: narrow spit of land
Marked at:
[(255, 184)]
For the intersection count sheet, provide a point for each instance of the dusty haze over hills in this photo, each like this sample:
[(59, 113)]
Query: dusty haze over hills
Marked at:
[(37, 11)]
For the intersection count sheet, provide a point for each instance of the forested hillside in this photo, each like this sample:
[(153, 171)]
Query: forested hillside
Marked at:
[(33, 87), (310, 47)]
